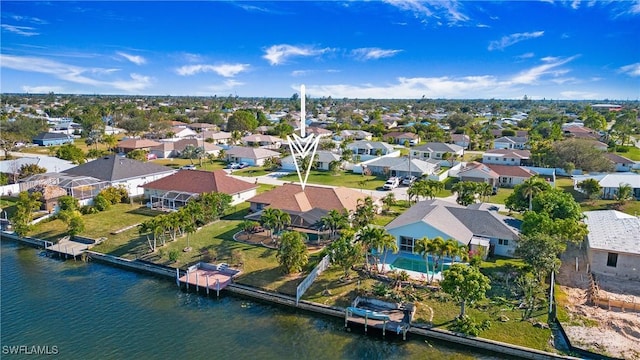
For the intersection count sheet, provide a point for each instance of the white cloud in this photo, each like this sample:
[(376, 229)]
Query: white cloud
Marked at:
[(632, 70), (298, 73), (226, 70), (42, 89), (438, 9), (20, 30), (373, 53), (278, 54), (136, 59), (575, 4), (30, 19), (533, 75), (513, 39), (528, 55), (74, 74), (579, 95)]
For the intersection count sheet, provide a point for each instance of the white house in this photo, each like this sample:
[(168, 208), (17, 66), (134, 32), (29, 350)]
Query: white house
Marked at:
[(611, 182), (613, 243), (324, 158), (435, 150), (511, 157), (252, 156), (510, 142), (370, 149)]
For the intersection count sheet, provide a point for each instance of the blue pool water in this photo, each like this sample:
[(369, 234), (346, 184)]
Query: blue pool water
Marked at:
[(414, 265)]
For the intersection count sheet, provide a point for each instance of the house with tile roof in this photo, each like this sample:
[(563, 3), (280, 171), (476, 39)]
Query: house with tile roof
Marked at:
[(622, 164), (512, 157), (117, 170), (510, 176), (399, 137), (307, 206), (613, 243), (173, 191), (217, 137), (478, 172), (128, 145), (467, 225), (462, 140), (252, 156)]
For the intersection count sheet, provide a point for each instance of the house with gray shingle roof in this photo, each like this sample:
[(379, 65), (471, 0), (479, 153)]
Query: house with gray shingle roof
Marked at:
[(613, 243), (252, 156), (622, 164), (117, 170), (433, 218), (399, 166), (510, 142), (323, 159), (435, 150), (370, 149)]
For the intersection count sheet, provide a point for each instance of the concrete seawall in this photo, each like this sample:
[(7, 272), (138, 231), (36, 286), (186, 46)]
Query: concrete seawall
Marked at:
[(290, 301)]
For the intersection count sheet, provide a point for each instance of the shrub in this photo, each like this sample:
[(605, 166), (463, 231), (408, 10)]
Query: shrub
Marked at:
[(468, 326), (101, 203), (115, 194), (88, 209), (174, 255), (68, 203)]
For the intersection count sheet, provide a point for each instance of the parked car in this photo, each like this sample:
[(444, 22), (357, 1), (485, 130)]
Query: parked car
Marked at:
[(243, 165), (189, 167), (392, 183), (408, 180), (233, 165)]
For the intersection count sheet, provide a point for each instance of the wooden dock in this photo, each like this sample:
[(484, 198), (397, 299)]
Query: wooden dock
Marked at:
[(208, 277), (382, 315), (72, 247)]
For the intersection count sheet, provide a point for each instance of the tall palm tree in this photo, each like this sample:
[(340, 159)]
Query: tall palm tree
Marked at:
[(485, 190), (385, 243), (422, 246), (371, 237), (460, 251), (435, 247), (268, 219), (532, 187), (282, 220), (448, 249), (334, 221), (365, 212)]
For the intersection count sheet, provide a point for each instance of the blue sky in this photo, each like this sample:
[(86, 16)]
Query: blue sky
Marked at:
[(353, 49)]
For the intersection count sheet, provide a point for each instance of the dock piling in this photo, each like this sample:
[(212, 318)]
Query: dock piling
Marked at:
[(178, 277), (207, 285)]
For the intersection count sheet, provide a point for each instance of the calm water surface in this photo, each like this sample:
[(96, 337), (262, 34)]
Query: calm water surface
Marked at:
[(93, 311)]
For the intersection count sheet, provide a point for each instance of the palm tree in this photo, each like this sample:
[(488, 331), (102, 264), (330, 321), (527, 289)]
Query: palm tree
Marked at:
[(365, 212), (447, 249), (485, 190), (460, 251), (423, 247), (282, 220), (384, 243), (334, 221), (624, 193), (413, 192), (532, 187), (389, 200), (372, 237), (268, 219), (435, 247)]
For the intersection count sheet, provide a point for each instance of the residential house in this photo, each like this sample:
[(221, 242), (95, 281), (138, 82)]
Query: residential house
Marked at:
[(355, 135), (252, 156), (478, 172), (436, 150), (370, 149), (510, 176), (263, 141), (462, 140), (498, 133), (217, 137), (117, 170), (510, 157), (433, 218), (200, 127), (398, 166), (323, 159), (181, 132), (52, 139), (398, 137), (174, 149), (622, 164), (611, 182), (50, 196), (306, 207), (319, 132), (173, 191), (578, 130), (510, 142), (128, 145), (613, 243)]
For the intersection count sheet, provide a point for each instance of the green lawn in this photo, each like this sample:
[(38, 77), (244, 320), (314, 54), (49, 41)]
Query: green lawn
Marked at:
[(501, 196), (100, 224), (252, 171), (437, 309), (632, 154), (346, 179), (631, 207), (8, 205), (178, 163)]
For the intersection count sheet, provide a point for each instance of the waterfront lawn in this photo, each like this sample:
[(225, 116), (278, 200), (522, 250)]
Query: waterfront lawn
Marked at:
[(98, 225), (8, 206), (346, 179)]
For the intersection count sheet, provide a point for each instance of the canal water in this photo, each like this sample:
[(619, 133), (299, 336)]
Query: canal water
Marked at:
[(75, 310)]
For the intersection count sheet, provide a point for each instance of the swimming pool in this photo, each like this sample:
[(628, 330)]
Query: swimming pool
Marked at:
[(414, 265)]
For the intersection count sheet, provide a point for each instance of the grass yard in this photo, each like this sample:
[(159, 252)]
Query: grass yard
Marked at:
[(252, 171), (100, 225), (346, 179), (632, 207), (7, 206), (438, 310), (501, 196), (178, 163), (632, 154)]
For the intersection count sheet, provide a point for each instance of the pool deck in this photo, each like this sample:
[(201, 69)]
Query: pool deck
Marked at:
[(414, 275)]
